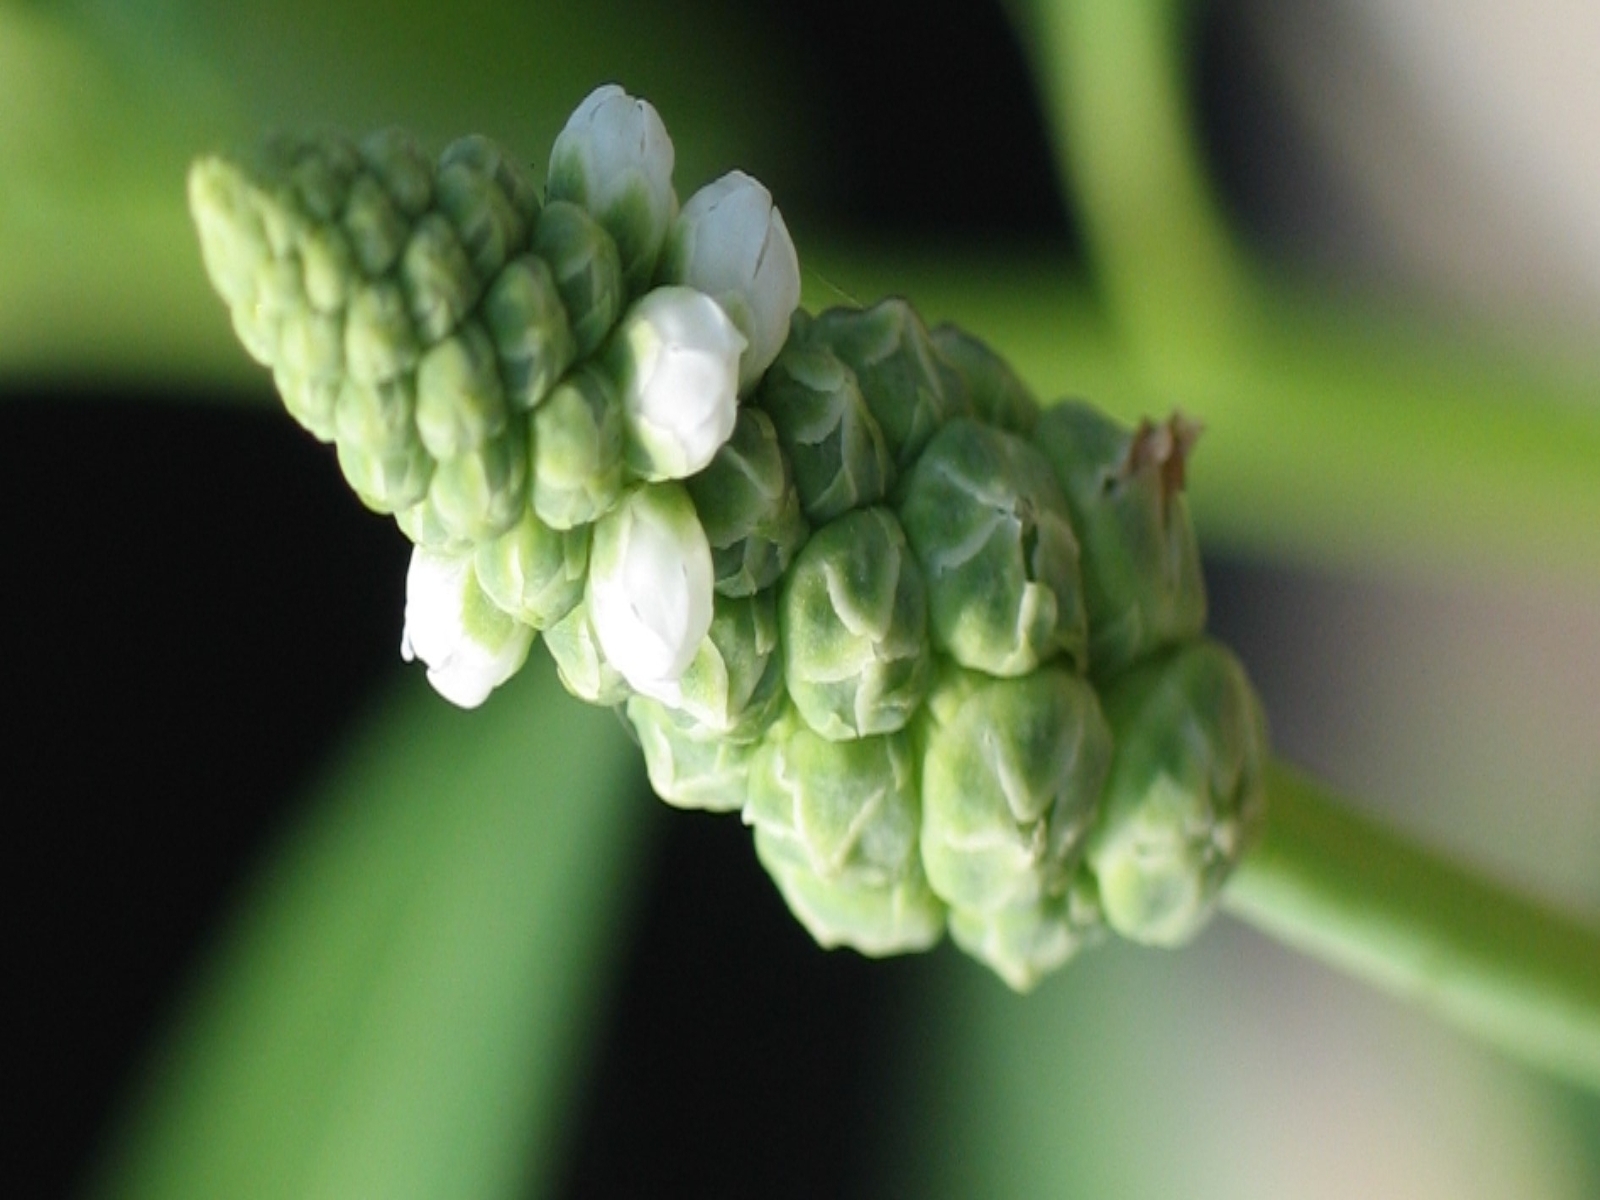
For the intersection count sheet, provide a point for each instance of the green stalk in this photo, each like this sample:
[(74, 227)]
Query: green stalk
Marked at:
[(1505, 968)]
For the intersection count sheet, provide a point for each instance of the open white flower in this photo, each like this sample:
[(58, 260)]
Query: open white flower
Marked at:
[(676, 359), (731, 243), (650, 587), (614, 159), (470, 646)]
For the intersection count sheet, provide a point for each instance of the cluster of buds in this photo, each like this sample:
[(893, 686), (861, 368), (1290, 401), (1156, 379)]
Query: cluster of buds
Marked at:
[(942, 649)]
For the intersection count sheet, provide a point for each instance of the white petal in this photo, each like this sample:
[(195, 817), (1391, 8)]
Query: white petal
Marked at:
[(470, 647)]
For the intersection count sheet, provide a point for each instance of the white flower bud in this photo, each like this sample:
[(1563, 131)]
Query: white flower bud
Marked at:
[(469, 645), (614, 159), (730, 242), (650, 586), (676, 359)]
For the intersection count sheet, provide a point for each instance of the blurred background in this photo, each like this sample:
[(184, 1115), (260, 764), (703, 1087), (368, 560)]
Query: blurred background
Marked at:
[(200, 623)]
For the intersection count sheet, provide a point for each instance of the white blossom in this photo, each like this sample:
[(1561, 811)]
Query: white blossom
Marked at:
[(650, 584), (731, 243), (614, 159), (470, 646), (676, 359)]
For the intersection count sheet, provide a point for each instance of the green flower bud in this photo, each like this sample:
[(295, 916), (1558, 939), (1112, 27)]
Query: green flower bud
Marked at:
[(1185, 797), (374, 225), (398, 163), (580, 662), (1011, 783), (690, 768), (854, 619), (877, 920), (733, 688), (1141, 564), (440, 285), (310, 345), (327, 267), (749, 507), (615, 159), (989, 526), (994, 393), (529, 326), (379, 451), (311, 402), (577, 451), (533, 572), (479, 495), (476, 188), (391, 480), (840, 809), (379, 341), (460, 404), (583, 261), (895, 365), (1024, 943)]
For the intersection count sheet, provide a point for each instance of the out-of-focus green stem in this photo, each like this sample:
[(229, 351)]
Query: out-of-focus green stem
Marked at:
[(1498, 965), (401, 1009)]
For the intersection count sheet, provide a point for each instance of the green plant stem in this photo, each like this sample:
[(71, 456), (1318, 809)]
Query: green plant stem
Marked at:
[(1498, 965)]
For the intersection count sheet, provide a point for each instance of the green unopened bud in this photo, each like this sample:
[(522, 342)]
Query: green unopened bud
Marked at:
[(1024, 943), (379, 451), (399, 164), (375, 226), (482, 493), (328, 267), (478, 188), (854, 618), (989, 526), (440, 285), (994, 393), (389, 481), (580, 662), (577, 450), (380, 343), (749, 507), (532, 337), (311, 402), (878, 920), (533, 572), (1141, 563), (1011, 783), (615, 159), (1185, 797), (733, 688), (583, 262), (839, 456), (840, 809), (690, 768), (460, 403), (899, 374)]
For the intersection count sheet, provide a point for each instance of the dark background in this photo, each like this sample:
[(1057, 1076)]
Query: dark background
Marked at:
[(163, 718)]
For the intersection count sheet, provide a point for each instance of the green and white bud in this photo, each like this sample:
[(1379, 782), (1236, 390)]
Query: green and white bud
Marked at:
[(1141, 562), (588, 275), (460, 403), (533, 572), (439, 282), (580, 663), (690, 768), (990, 527), (839, 455), (649, 593), (878, 920), (748, 504), (528, 324), (854, 620), (994, 393), (1024, 943), (840, 809), (675, 357), (614, 158), (1011, 783), (733, 688), (470, 646), (901, 378), (576, 437), (730, 242), (1185, 798)]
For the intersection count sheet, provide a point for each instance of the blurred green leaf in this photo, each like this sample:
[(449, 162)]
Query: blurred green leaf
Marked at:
[(401, 1009)]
